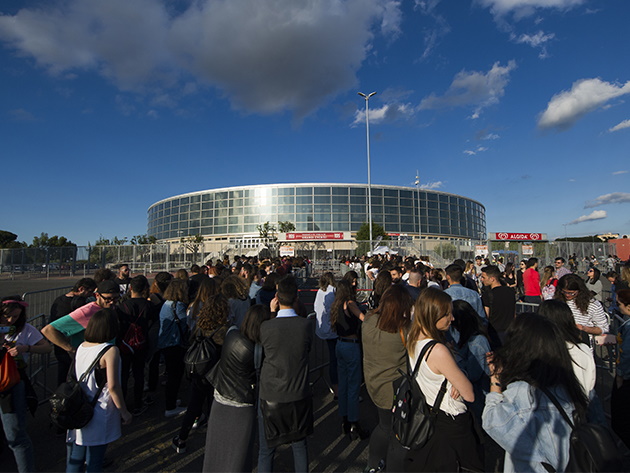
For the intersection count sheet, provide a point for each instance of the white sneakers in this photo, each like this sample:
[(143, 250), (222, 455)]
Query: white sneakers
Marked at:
[(174, 412)]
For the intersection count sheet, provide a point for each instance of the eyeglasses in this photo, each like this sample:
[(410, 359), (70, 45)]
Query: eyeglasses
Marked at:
[(570, 293), (109, 299)]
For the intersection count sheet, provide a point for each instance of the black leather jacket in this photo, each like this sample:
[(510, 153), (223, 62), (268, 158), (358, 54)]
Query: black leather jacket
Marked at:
[(234, 376)]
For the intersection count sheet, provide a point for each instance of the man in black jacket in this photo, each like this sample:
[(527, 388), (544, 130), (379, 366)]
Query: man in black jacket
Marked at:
[(284, 389)]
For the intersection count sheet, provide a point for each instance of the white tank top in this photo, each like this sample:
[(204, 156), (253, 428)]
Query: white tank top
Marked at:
[(431, 382), (105, 426)]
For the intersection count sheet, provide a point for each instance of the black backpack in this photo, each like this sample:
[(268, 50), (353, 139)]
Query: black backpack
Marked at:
[(412, 417), (70, 407), (592, 446), (202, 354)]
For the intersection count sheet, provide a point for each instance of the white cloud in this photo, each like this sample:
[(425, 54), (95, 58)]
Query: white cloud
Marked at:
[(473, 89), (523, 8), (437, 29), (387, 113), (616, 173), (490, 136), (21, 115), (585, 96), (537, 41), (620, 126), (432, 185), (594, 215), (479, 149), (391, 19), (614, 198), (281, 55)]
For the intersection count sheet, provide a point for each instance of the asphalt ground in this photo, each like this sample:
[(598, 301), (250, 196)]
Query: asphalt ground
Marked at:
[(146, 442)]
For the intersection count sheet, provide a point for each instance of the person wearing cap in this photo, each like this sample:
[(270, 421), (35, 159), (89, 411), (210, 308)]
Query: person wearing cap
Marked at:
[(68, 331)]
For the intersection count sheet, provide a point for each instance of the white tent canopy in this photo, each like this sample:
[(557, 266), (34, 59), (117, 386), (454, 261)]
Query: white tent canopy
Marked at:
[(381, 250)]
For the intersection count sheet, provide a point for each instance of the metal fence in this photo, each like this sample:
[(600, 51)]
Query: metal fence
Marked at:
[(147, 259)]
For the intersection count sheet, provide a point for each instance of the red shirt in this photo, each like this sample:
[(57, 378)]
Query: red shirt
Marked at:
[(531, 282)]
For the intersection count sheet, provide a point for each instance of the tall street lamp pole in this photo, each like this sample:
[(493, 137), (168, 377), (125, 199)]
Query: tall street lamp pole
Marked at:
[(367, 134)]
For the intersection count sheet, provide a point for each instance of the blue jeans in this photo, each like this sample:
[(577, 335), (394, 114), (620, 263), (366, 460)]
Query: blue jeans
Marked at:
[(349, 364), (14, 424), (78, 455), (266, 454)]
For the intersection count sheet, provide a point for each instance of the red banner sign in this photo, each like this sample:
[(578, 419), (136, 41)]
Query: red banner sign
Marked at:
[(519, 236), (315, 236)]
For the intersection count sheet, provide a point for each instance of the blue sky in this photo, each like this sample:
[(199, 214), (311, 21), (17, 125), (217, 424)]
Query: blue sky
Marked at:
[(109, 106)]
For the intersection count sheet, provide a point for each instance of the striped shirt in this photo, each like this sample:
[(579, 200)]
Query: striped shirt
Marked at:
[(593, 317)]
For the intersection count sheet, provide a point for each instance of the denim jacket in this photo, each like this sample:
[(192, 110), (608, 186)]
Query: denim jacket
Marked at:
[(471, 360), (623, 357), (525, 423), (170, 335)]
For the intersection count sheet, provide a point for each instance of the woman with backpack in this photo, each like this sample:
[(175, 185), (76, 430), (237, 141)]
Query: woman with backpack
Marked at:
[(519, 414), (87, 446), (383, 336), (454, 444), (548, 283), (212, 322), (232, 423)]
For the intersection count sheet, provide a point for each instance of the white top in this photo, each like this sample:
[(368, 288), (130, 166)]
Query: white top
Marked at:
[(29, 335), (583, 365), (323, 303), (594, 316), (431, 382), (105, 426)]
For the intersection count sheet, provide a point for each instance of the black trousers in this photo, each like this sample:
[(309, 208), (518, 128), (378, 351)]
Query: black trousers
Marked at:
[(384, 446), (198, 395), (620, 411), (133, 364), (174, 360)]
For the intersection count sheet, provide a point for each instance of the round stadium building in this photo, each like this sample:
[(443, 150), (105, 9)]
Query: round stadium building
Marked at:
[(232, 215)]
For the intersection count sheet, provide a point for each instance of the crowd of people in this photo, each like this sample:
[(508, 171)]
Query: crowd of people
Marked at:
[(489, 378)]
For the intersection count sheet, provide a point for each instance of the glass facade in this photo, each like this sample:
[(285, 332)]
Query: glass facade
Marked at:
[(316, 207)]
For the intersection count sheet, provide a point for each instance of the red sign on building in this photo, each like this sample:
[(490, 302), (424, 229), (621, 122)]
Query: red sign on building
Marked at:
[(519, 236), (314, 236)]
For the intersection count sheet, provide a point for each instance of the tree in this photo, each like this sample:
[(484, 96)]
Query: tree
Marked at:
[(9, 240), (285, 227), (363, 237), (266, 231), (377, 231), (114, 241), (44, 241), (192, 244), (143, 240), (446, 251)]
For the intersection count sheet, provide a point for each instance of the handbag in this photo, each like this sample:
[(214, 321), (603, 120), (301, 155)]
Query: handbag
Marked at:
[(9, 374)]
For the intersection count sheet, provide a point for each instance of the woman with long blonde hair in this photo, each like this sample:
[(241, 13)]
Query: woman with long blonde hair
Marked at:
[(454, 444)]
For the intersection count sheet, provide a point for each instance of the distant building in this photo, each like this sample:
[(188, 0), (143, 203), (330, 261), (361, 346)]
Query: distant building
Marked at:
[(233, 214)]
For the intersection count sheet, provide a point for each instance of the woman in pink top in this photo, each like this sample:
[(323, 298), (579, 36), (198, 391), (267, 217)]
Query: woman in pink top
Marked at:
[(531, 282)]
